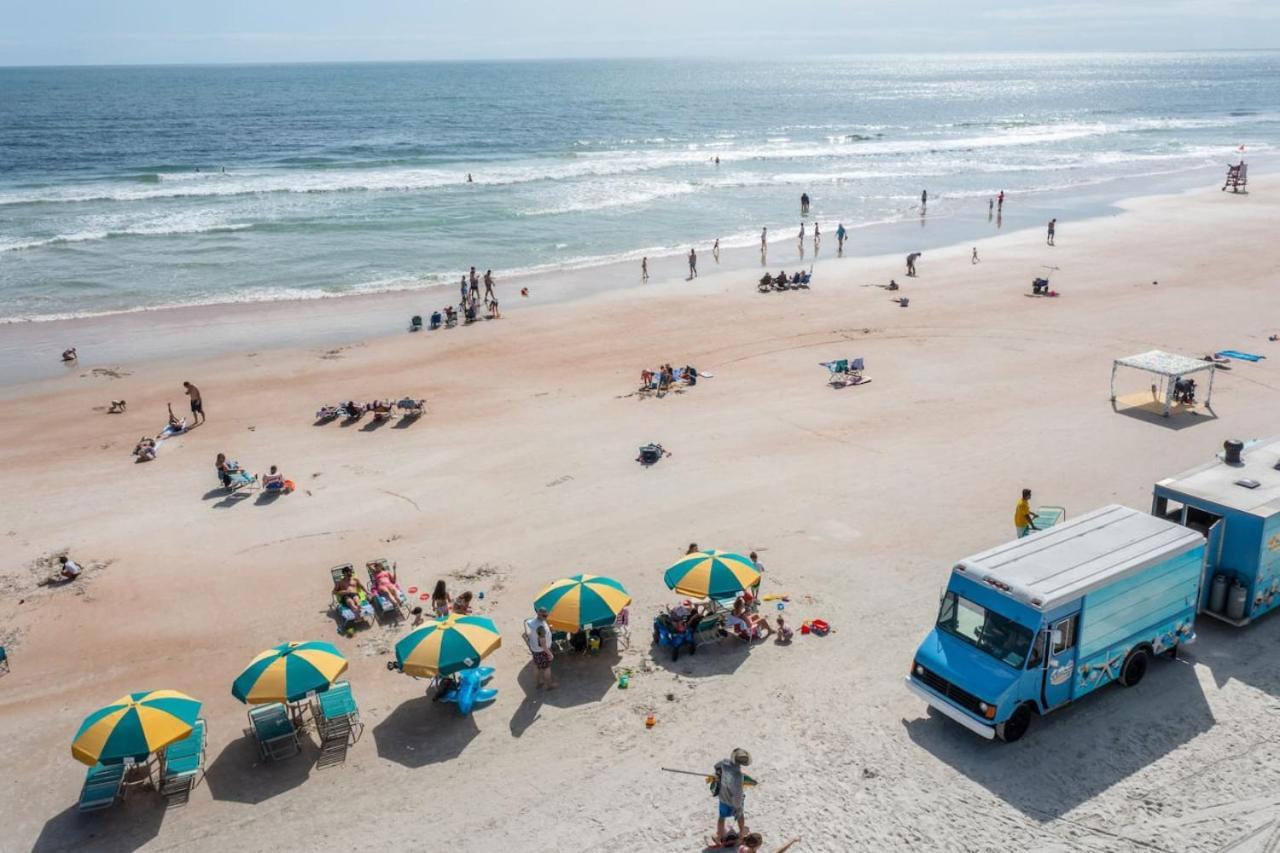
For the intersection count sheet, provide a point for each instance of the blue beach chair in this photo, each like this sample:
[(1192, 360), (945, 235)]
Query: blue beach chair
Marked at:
[(103, 785), (271, 727), (183, 766), (337, 722)]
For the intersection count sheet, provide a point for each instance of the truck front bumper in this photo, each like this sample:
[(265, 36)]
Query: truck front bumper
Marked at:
[(951, 711)]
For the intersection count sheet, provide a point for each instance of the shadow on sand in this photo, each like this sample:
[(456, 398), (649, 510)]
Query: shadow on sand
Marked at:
[(422, 731), (721, 657), (240, 775), (125, 826), (1180, 417), (1079, 751)]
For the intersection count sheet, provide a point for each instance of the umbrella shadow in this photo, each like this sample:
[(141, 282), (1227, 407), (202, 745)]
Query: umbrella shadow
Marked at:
[(423, 731), (126, 826), (240, 775), (580, 679), (722, 657)]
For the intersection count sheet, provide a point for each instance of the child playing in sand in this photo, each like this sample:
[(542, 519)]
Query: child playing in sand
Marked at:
[(418, 618), (784, 634)]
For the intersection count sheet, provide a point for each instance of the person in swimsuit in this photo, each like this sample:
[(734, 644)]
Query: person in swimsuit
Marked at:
[(348, 589), (488, 286), (384, 583), (440, 600)]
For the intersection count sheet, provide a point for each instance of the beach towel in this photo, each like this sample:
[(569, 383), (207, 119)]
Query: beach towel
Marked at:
[(1243, 356)]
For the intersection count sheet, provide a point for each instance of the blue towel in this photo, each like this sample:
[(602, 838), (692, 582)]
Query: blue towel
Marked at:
[(1243, 356)]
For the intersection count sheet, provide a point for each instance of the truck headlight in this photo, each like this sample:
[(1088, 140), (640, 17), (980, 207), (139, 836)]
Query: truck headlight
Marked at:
[(919, 670), (988, 711)]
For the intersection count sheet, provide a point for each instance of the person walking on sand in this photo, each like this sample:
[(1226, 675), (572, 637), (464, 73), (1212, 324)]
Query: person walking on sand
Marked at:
[(462, 289), (840, 235), (1024, 520), (801, 238), (764, 242), (644, 268), (693, 265), (974, 259), (197, 403), (911, 262), (537, 635), (715, 250), (489, 295), (728, 783), (475, 284), (1053, 223)]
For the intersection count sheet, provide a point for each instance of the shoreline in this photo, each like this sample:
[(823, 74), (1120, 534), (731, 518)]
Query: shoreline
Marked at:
[(29, 349)]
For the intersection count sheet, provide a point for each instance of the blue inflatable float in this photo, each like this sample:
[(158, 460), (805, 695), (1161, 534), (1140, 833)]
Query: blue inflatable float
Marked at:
[(467, 689)]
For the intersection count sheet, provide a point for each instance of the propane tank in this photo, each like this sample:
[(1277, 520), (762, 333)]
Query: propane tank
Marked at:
[(1236, 598), (1218, 593)]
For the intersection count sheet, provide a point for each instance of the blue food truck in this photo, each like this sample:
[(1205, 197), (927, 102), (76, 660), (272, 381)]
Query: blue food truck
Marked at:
[(1041, 621), (1234, 502)]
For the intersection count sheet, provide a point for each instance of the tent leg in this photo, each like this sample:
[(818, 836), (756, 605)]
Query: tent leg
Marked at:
[(1171, 383), (1114, 367), (1208, 397)]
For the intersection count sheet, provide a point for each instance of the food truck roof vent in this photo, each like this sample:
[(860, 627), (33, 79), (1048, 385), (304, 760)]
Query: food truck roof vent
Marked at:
[(1231, 451)]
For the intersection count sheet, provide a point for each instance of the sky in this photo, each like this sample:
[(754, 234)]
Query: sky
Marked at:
[(94, 32)]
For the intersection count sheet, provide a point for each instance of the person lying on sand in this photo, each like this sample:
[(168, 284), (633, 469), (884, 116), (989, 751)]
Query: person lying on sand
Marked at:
[(117, 407), (348, 589), (175, 425), (145, 449)]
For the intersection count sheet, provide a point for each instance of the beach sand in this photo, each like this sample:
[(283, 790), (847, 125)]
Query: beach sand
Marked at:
[(858, 501)]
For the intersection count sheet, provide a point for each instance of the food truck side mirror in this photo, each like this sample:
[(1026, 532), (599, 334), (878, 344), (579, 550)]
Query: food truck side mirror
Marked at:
[(1055, 636)]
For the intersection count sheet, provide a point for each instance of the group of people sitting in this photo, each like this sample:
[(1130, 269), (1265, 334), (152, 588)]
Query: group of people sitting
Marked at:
[(1184, 391), (666, 376), (743, 619), (781, 281), (381, 409), (233, 477)]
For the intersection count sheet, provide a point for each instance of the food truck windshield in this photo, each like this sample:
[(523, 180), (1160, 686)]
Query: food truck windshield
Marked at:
[(998, 636)]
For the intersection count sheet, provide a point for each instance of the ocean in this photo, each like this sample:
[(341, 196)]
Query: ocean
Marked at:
[(133, 188)]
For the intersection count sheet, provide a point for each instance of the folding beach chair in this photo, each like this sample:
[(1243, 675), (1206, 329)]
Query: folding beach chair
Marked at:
[(103, 786), (412, 408), (710, 629), (845, 372), (337, 722), (237, 480), (183, 766), (348, 616), (385, 606), (271, 727), (4, 659)]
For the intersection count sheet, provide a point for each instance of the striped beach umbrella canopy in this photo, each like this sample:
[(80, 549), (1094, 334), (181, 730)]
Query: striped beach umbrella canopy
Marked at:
[(712, 574), (447, 645), (582, 601), (289, 672), (135, 726)]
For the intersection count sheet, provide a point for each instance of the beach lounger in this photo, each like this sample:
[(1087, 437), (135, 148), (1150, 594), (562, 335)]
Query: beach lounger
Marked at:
[(103, 786), (337, 722), (352, 413), (347, 615), (4, 660), (237, 480), (327, 413), (382, 410), (844, 372), (436, 319), (383, 604), (271, 727), (415, 324), (710, 629), (183, 766)]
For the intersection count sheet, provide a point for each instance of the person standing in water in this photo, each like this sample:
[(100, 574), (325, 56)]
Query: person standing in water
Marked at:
[(693, 265), (817, 236), (1000, 200), (1053, 224), (804, 204), (840, 237), (715, 250), (644, 269), (764, 242), (924, 197), (801, 235)]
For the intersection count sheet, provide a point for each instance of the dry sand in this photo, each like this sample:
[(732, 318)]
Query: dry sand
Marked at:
[(858, 500)]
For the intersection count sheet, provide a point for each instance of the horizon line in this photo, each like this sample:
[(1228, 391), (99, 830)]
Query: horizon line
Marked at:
[(636, 58)]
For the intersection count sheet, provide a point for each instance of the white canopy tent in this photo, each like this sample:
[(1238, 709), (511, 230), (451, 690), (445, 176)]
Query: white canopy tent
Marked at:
[(1169, 367)]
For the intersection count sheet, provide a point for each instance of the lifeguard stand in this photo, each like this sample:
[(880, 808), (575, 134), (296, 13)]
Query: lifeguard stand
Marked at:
[(1237, 178)]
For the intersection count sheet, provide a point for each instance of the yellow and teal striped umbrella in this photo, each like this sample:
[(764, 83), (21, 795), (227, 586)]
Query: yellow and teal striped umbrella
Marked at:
[(448, 645), (582, 601), (289, 672), (712, 574), (135, 726)]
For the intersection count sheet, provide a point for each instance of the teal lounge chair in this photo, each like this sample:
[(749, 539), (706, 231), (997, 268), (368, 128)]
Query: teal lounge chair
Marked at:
[(103, 786), (274, 731), (388, 607), (337, 722), (347, 616), (710, 629), (183, 766)]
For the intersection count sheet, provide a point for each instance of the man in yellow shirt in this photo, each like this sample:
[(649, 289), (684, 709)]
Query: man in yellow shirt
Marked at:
[(1023, 518)]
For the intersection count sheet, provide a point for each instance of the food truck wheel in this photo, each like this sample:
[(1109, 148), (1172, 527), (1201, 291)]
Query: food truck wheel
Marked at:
[(1016, 726), (1135, 666)]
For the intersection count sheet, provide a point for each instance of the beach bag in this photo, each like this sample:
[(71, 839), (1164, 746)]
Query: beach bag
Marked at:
[(650, 453)]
